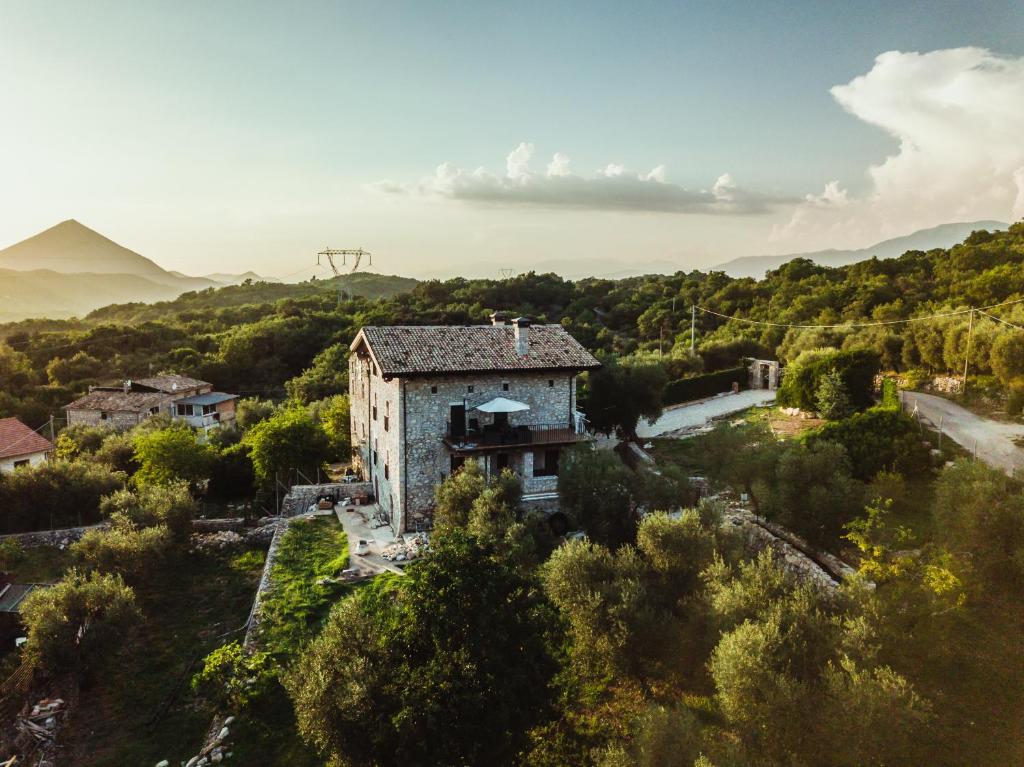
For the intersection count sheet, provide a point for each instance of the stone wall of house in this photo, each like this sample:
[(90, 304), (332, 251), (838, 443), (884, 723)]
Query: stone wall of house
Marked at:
[(376, 433), (551, 397), (116, 420)]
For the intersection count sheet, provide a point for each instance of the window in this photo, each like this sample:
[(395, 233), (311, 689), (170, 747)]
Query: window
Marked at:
[(387, 414), (22, 464), (374, 412), (433, 389), (385, 423), (545, 463), (457, 463), (469, 388), (104, 416), (551, 383), (386, 474), (504, 385), (154, 410)]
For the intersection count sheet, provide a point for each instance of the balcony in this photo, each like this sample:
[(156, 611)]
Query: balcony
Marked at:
[(514, 436)]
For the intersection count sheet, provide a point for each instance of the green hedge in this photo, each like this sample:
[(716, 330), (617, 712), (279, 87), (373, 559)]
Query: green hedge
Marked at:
[(857, 368), (687, 389)]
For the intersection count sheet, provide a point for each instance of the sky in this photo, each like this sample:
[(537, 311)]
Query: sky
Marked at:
[(468, 137)]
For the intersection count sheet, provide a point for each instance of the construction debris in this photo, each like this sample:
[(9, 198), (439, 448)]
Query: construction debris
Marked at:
[(42, 722), (408, 548)]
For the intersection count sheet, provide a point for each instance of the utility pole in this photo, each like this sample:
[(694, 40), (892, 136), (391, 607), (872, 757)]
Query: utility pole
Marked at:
[(967, 357), (693, 329)]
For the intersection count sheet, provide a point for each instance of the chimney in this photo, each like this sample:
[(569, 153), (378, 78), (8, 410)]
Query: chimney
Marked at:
[(522, 334), (499, 318)]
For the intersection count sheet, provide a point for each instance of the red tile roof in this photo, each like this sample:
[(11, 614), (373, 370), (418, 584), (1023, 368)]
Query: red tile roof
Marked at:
[(402, 350), (17, 439)]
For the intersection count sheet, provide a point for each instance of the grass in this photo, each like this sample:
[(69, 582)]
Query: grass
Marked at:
[(118, 719), (39, 564), (294, 610), (297, 603)]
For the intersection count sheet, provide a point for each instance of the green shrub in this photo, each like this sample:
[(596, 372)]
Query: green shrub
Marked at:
[(168, 505), (1015, 400), (890, 394), (876, 440), (856, 368), (832, 398), (232, 678)]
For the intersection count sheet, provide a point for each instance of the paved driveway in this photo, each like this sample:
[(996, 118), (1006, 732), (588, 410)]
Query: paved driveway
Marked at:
[(693, 415), (992, 441)]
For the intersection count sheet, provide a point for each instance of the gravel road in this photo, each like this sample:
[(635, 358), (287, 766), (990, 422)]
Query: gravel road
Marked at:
[(992, 441), (695, 414)]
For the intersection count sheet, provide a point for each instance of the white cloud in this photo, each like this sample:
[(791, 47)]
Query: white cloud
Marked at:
[(612, 187), (958, 115)]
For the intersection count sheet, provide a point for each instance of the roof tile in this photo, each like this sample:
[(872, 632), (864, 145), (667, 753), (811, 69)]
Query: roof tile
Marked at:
[(416, 350), (17, 439)]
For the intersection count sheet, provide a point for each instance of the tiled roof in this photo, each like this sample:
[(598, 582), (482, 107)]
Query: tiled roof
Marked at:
[(411, 350), (118, 401), (17, 439), (170, 382)]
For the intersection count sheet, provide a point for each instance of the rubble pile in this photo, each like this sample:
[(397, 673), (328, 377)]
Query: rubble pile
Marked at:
[(224, 539), (407, 549), (41, 723)]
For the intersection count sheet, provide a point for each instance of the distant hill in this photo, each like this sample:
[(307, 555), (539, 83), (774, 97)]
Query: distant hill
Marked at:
[(237, 279), (70, 269), (942, 236)]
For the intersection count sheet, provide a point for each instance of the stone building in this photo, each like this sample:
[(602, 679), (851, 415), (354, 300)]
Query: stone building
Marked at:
[(427, 399), (20, 446), (128, 405)]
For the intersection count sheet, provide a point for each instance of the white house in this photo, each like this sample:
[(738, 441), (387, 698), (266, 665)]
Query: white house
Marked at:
[(20, 446), (426, 399)]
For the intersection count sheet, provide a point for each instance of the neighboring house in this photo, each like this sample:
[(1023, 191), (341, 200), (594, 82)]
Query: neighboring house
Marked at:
[(427, 399), (20, 446), (206, 411), (128, 405)]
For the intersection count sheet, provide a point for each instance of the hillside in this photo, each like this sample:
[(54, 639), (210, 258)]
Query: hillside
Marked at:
[(70, 269), (943, 236)]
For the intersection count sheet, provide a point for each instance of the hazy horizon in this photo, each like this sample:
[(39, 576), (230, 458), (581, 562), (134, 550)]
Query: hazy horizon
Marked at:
[(467, 138)]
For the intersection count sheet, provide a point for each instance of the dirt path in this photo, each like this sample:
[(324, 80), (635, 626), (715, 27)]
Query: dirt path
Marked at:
[(692, 415), (991, 441)]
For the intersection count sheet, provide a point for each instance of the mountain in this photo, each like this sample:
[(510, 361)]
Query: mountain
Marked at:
[(237, 279), (942, 236), (70, 269)]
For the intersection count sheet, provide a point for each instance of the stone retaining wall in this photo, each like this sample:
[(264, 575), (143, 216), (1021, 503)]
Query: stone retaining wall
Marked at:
[(60, 538)]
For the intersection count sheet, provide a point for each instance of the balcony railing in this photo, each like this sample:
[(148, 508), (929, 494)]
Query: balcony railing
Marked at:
[(490, 437)]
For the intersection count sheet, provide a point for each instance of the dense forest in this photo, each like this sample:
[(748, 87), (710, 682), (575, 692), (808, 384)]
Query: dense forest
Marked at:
[(253, 338)]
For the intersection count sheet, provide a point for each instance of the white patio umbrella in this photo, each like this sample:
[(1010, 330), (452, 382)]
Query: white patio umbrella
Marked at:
[(502, 405)]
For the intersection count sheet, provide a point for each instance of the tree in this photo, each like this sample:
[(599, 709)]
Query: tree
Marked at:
[(72, 625), (289, 439), (621, 394), (979, 514), (334, 416), (326, 377), (136, 554), (833, 400), (170, 454), (453, 498), (251, 410), (594, 487), (74, 370), (55, 494), (170, 506), (456, 647), (1007, 357)]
